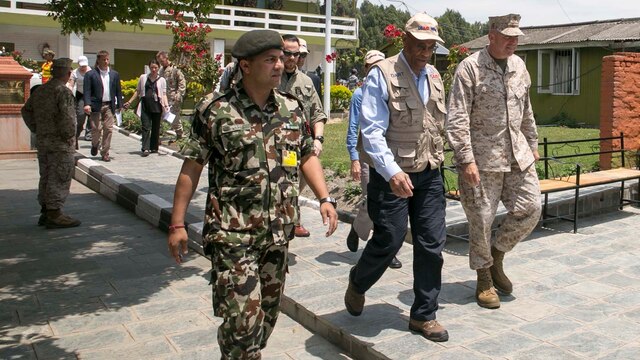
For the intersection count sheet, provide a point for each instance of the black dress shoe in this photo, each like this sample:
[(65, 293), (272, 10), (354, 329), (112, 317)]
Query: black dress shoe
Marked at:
[(94, 150), (352, 240), (395, 263)]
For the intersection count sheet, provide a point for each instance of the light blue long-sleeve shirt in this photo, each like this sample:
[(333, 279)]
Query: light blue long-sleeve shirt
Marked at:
[(374, 118), (352, 129)]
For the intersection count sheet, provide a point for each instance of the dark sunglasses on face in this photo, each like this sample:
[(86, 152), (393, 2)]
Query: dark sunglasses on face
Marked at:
[(290, 53), (303, 55)]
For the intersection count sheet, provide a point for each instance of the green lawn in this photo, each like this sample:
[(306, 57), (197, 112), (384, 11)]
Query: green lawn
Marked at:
[(336, 157)]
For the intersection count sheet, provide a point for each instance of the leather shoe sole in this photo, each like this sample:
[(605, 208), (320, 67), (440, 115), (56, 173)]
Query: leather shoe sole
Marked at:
[(352, 240), (395, 263)]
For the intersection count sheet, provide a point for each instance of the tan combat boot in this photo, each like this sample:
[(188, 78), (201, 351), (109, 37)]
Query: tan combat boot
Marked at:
[(486, 295), (57, 220), (500, 280)]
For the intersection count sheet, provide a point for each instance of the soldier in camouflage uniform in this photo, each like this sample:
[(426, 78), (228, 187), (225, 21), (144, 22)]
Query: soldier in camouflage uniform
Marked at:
[(50, 114), (254, 140), (300, 85), (176, 87), (493, 134)]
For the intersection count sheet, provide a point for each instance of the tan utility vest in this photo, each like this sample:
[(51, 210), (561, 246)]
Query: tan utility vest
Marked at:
[(416, 131)]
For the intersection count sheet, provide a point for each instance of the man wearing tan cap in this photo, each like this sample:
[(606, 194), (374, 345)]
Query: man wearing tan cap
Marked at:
[(50, 114), (362, 225), (304, 52), (493, 134), (401, 122)]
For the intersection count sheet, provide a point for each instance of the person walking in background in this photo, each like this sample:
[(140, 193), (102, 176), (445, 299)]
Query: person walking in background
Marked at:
[(152, 90), (77, 81), (176, 89), (296, 83), (49, 113), (254, 140), (402, 120), (493, 135), (362, 225), (102, 98), (48, 56), (352, 81), (302, 58)]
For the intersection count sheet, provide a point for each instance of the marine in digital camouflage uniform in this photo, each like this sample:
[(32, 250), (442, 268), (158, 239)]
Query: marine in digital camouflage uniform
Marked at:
[(493, 134), (254, 140), (50, 114), (176, 88), (300, 85)]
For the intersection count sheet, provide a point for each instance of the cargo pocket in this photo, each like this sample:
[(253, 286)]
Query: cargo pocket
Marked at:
[(241, 208), (406, 156), (287, 208)]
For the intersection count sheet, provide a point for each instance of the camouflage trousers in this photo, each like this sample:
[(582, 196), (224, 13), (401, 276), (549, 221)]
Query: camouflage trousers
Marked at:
[(56, 171), (519, 192), (176, 125), (249, 282)]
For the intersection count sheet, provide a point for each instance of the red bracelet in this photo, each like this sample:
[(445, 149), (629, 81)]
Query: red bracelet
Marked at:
[(176, 227)]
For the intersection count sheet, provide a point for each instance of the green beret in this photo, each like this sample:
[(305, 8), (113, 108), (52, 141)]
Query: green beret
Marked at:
[(255, 42), (62, 63)]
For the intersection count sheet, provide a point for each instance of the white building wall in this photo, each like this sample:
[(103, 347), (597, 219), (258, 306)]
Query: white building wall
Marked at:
[(30, 40), (128, 41)]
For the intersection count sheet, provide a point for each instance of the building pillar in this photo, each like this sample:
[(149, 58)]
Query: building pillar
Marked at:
[(218, 48)]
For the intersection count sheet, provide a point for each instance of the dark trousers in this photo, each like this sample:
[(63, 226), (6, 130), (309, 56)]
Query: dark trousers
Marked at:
[(150, 130), (389, 213), (81, 117)]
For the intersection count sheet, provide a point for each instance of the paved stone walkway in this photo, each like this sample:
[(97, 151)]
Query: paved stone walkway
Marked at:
[(107, 289), (577, 296)]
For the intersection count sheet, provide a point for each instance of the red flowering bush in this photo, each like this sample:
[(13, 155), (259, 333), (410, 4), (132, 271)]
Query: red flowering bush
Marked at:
[(191, 53), (394, 36), (456, 54), (331, 57)]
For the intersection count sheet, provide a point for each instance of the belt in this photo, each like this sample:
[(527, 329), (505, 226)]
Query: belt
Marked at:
[(106, 103)]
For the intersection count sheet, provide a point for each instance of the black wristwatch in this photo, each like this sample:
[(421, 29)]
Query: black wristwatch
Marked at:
[(331, 200), (320, 138)]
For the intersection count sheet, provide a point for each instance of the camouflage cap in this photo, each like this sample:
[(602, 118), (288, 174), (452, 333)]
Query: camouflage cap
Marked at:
[(62, 63), (508, 25), (303, 46), (255, 42), (423, 27)]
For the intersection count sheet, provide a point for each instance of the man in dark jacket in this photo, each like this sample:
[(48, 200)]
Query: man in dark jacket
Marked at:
[(102, 98)]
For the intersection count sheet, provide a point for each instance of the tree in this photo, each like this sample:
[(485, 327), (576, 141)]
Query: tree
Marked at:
[(455, 30), (82, 16)]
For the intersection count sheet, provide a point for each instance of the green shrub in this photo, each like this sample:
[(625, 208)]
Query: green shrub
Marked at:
[(563, 119), (352, 191), (128, 88), (340, 97), (131, 122)]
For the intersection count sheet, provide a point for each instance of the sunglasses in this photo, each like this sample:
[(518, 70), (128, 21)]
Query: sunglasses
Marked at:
[(291, 53), (303, 55)]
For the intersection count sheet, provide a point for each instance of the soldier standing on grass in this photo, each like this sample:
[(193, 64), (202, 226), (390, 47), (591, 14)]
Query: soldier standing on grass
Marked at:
[(176, 88), (255, 140), (493, 134), (50, 114)]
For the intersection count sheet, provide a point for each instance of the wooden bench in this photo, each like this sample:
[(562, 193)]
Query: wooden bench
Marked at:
[(557, 152)]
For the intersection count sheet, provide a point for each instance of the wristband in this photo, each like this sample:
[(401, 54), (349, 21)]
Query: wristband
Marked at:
[(176, 227)]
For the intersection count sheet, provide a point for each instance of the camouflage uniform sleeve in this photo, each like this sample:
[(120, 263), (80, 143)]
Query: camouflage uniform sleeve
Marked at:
[(182, 83), (458, 112), (317, 111), (528, 126), (27, 115), (198, 146), (66, 108)]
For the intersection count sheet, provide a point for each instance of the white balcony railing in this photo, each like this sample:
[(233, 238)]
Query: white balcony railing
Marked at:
[(227, 17)]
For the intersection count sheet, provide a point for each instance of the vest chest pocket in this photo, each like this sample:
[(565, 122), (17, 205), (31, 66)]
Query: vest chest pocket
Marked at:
[(239, 143), (241, 208)]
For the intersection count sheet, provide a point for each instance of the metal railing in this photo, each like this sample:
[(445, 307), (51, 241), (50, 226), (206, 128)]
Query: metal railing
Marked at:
[(226, 17)]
